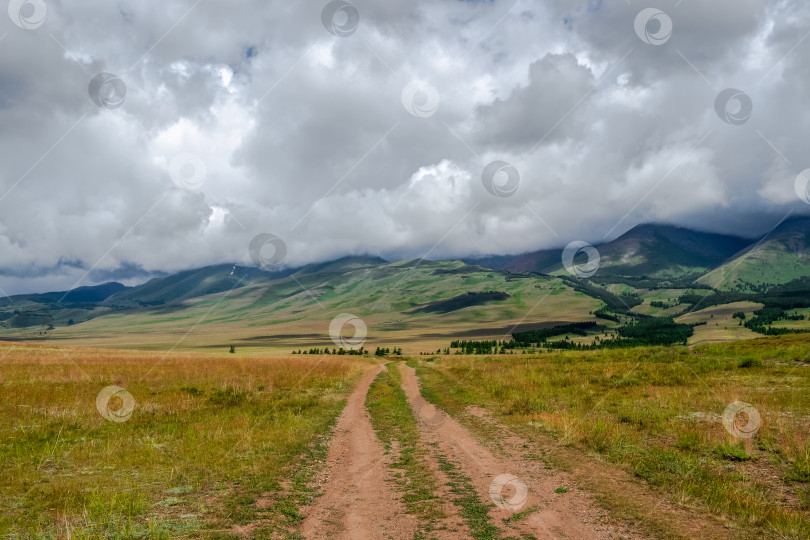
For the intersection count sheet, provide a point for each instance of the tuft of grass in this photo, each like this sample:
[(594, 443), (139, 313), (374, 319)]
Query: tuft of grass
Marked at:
[(519, 516), (750, 363), (731, 452), (689, 441), (227, 397), (561, 489), (804, 497), (799, 470)]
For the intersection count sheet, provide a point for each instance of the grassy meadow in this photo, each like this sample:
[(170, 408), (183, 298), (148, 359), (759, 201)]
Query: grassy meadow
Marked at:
[(773, 262), (656, 412), (213, 444), (717, 323), (224, 445), (295, 312)]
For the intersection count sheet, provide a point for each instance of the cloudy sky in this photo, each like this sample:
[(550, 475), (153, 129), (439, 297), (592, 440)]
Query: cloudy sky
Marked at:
[(139, 136)]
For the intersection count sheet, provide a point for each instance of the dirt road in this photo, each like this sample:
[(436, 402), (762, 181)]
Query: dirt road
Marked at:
[(357, 501), (521, 496), (511, 482), (360, 501)]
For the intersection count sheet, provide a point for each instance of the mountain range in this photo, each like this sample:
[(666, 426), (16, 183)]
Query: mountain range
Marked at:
[(482, 295), (658, 251)]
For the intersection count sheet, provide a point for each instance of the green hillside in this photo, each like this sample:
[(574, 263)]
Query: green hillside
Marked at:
[(782, 257), (648, 272), (401, 302), (188, 284)]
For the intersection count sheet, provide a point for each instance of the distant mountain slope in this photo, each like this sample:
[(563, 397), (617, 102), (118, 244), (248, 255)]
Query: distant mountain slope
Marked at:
[(342, 265), (224, 277), (657, 250), (399, 301), (543, 261), (190, 284), (80, 295), (783, 256), (645, 250)]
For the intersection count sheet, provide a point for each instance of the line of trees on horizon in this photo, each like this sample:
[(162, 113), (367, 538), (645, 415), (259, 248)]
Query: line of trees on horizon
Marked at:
[(362, 351)]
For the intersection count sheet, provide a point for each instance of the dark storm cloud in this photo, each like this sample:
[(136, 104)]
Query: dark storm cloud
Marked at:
[(303, 134), (557, 84)]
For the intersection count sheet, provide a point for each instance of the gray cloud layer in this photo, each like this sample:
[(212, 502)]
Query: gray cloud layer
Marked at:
[(304, 134)]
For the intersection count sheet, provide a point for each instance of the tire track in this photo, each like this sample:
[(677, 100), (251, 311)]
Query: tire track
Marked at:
[(358, 500), (522, 490)]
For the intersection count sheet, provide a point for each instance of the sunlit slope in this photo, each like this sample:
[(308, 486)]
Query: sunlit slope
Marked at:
[(717, 324), (781, 257), (404, 302)]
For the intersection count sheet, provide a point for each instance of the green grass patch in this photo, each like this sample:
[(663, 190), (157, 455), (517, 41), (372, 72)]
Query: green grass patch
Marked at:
[(799, 470), (731, 452), (474, 512)]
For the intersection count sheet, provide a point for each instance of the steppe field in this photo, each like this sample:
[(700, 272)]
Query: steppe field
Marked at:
[(627, 443)]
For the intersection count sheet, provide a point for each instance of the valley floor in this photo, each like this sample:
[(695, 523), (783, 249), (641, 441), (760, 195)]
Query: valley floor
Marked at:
[(626, 443)]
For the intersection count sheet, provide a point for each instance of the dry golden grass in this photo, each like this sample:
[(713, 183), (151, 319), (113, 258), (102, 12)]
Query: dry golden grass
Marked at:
[(210, 434)]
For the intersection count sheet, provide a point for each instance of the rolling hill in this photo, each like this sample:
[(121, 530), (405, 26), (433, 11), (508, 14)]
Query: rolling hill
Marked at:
[(188, 284), (401, 302)]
